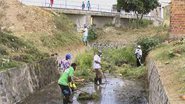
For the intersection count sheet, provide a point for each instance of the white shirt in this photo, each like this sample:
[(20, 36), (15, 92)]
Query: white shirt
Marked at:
[(96, 65), (138, 52), (85, 32)]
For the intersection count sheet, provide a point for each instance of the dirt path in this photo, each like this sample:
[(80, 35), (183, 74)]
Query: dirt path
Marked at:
[(115, 91)]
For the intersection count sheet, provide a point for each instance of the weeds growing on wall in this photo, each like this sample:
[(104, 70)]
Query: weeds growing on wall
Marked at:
[(17, 51)]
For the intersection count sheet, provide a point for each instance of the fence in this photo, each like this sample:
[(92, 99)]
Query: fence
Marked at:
[(67, 5)]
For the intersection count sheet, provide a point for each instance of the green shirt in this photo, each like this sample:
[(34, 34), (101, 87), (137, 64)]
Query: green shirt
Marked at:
[(63, 80)]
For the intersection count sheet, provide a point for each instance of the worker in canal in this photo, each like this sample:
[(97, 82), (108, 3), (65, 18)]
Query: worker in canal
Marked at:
[(138, 54), (97, 68), (65, 79)]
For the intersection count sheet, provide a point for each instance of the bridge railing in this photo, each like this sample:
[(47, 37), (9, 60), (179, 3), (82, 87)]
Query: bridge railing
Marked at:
[(65, 4)]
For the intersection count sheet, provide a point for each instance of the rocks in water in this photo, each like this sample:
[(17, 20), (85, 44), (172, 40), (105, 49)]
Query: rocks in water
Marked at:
[(88, 96), (106, 45)]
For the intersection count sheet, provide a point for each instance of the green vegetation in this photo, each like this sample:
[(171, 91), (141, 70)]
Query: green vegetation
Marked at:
[(133, 72), (64, 34), (92, 34), (117, 61), (170, 51), (148, 43), (170, 58), (15, 49), (143, 23), (139, 7), (9, 64), (123, 62), (121, 56), (84, 62)]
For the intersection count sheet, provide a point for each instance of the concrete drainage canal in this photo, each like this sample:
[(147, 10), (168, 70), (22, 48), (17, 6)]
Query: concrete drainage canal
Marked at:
[(114, 91)]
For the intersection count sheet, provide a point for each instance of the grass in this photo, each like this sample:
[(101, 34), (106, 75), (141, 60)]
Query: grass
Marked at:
[(123, 62), (10, 64), (130, 72), (84, 62), (65, 34), (170, 60), (32, 47), (17, 51), (130, 36), (120, 56), (116, 61)]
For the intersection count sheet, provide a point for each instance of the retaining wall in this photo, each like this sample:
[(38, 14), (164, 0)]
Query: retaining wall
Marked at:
[(157, 92), (18, 83)]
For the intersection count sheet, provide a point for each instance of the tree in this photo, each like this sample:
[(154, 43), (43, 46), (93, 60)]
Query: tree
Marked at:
[(140, 7)]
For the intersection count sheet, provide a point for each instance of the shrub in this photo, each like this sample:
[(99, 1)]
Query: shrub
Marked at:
[(141, 24), (108, 24), (11, 41), (133, 73), (121, 56), (10, 64), (148, 44), (92, 34), (3, 51), (85, 60)]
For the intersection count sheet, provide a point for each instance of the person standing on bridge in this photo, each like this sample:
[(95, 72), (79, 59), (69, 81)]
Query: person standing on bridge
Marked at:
[(51, 3), (65, 79), (138, 54), (83, 5), (88, 5)]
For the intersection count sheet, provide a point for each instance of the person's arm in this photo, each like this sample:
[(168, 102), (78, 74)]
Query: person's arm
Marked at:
[(141, 53), (71, 74), (76, 79), (96, 60)]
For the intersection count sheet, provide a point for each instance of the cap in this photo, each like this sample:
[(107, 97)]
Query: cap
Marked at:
[(68, 56), (138, 46)]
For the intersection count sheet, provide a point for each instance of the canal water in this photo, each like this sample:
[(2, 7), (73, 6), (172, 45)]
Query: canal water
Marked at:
[(114, 91)]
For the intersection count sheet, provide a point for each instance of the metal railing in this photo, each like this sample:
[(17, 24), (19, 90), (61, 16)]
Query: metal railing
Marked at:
[(64, 4), (67, 5)]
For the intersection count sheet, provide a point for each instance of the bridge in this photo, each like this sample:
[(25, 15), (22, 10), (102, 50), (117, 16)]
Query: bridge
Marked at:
[(96, 15)]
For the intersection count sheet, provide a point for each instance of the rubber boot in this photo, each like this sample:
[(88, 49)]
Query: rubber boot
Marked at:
[(95, 81), (100, 80)]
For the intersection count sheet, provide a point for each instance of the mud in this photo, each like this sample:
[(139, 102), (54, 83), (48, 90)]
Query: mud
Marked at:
[(114, 91)]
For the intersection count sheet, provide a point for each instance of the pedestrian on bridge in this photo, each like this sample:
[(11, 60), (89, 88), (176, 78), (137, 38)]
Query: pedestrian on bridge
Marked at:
[(88, 5), (83, 5), (51, 3), (64, 81)]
